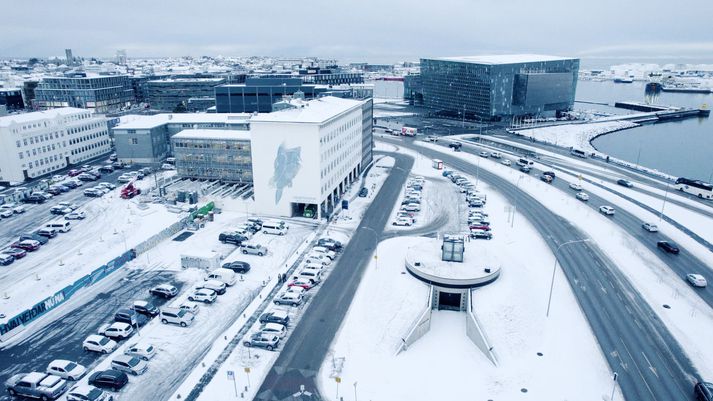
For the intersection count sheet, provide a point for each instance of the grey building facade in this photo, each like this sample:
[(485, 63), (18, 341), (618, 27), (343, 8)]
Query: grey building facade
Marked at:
[(499, 88), (103, 94), (258, 94), (213, 154), (172, 94), (367, 136)]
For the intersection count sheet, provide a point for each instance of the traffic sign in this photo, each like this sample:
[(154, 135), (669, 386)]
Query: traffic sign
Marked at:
[(231, 375), (338, 379), (247, 370)]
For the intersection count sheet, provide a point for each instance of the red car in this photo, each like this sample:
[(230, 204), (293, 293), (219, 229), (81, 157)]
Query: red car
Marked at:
[(479, 226), (17, 253), (74, 173), (29, 245), (302, 282)]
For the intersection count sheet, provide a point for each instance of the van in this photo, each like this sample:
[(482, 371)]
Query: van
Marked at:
[(61, 226), (223, 275), (522, 162), (274, 228)]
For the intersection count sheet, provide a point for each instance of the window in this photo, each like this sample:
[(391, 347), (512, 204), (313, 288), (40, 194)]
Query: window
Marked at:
[(134, 141)]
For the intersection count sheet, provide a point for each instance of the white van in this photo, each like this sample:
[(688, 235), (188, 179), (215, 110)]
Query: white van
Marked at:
[(223, 275), (274, 228), (61, 226)]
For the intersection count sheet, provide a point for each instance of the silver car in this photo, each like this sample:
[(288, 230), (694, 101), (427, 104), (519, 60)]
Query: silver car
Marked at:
[(129, 364), (254, 249)]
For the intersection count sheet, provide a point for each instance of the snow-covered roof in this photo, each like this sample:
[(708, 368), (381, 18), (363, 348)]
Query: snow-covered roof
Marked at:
[(218, 80), (313, 111), (227, 134), (148, 122), (503, 58), (39, 115)]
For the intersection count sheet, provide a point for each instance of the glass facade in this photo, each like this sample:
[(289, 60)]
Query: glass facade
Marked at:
[(213, 158), (498, 91), (168, 94), (101, 94), (259, 94)]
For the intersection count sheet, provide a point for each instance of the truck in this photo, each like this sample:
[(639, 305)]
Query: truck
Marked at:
[(408, 131), (36, 385), (129, 191)]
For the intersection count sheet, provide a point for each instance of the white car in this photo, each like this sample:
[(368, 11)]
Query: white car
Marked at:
[(274, 329), (484, 154), (607, 210), (70, 205), (402, 221), (189, 306), (650, 227), (6, 213), (107, 185), (129, 364), (124, 178), (318, 258), (167, 166), (506, 162), (582, 196), (216, 286), (411, 207), (575, 186), (13, 207), (288, 298), (496, 155), (85, 392), (118, 330), (696, 280), (204, 295), (321, 249), (66, 369), (75, 215), (97, 343), (143, 351)]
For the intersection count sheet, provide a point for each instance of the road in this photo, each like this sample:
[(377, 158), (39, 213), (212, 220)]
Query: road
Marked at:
[(682, 264), (636, 344), (304, 352)]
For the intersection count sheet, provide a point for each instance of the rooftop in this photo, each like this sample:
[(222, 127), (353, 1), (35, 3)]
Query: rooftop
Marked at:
[(39, 115), (220, 134), (503, 58), (148, 122), (313, 111), (208, 80)]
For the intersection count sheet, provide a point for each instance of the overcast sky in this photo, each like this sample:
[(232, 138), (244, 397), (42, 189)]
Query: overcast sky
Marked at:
[(364, 30)]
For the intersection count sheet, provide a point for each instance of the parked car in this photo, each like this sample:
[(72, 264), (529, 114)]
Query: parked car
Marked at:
[(130, 316), (274, 328), (232, 238), (254, 249), (117, 330), (106, 169), (575, 186), (237, 266), (145, 308), (28, 245), (263, 340), (164, 290), (97, 343), (34, 198), (289, 298), (177, 316), (607, 210), (93, 193), (204, 295), (117, 165), (650, 227), (87, 177), (16, 253), (141, 350), (218, 286), (107, 185), (36, 385), (6, 259), (582, 196), (129, 364), (75, 215), (275, 316), (47, 232), (330, 243), (302, 282), (69, 205), (73, 172), (189, 306), (66, 369), (14, 207), (477, 233), (696, 280), (85, 392), (363, 192), (625, 183), (109, 379), (402, 221), (319, 258), (669, 247), (411, 207)]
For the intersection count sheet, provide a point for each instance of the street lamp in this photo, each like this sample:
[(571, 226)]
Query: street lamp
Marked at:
[(665, 197), (554, 270)]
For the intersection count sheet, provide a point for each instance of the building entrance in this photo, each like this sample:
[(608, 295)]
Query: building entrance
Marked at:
[(448, 301)]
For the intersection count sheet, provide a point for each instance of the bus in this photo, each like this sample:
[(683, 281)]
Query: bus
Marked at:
[(578, 153), (699, 188)]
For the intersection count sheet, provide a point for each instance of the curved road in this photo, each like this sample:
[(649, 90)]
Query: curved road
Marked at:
[(649, 361)]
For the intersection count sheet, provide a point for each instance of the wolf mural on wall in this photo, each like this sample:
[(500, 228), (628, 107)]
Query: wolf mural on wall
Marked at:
[(287, 165)]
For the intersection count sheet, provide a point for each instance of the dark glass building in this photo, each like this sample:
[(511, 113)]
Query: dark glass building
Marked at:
[(259, 94), (172, 94), (499, 88), (11, 99), (102, 94)]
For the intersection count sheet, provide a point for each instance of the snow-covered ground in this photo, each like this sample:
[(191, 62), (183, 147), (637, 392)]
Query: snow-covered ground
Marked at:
[(445, 363), (574, 135), (112, 226), (688, 316)]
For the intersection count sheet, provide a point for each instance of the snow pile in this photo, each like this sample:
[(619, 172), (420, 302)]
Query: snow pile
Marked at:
[(574, 135)]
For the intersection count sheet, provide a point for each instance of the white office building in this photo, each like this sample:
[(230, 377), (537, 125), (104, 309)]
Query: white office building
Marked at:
[(306, 156), (39, 143)]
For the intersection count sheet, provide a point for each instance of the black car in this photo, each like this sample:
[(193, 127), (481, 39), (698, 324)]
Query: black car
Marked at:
[(40, 238), (277, 316), (6, 259), (625, 183), (331, 244), (232, 238), (54, 191), (363, 192), (145, 308), (71, 184), (35, 199), (550, 173), (703, 391), (109, 379), (525, 169), (237, 266), (669, 247), (455, 145), (106, 169), (125, 315), (58, 210), (546, 178)]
